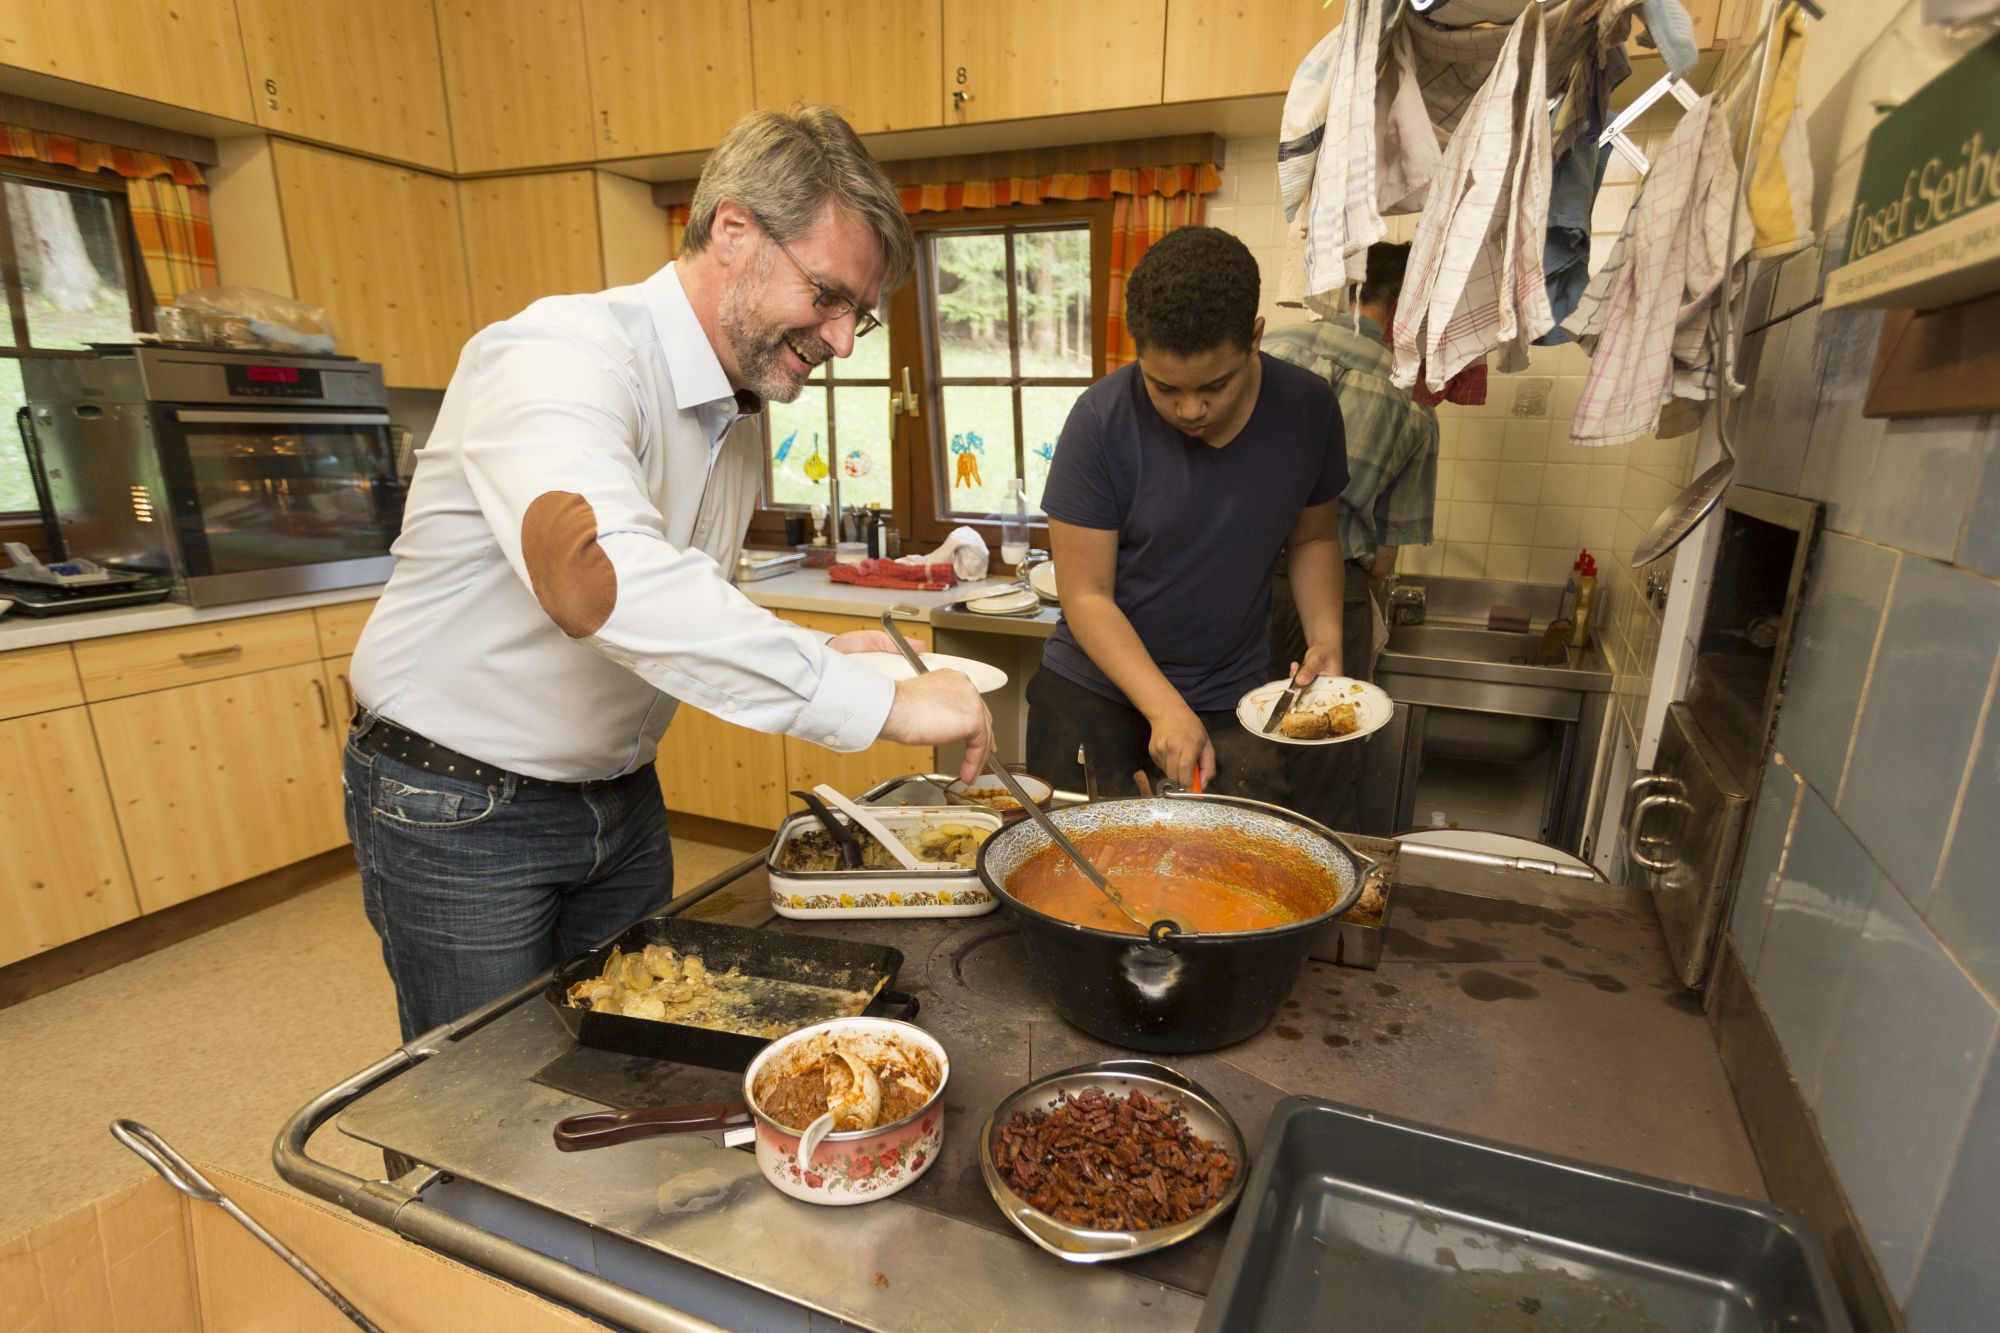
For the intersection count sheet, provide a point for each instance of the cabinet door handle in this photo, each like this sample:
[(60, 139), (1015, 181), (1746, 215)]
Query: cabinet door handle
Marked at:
[(347, 691), (325, 711), (211, 656)]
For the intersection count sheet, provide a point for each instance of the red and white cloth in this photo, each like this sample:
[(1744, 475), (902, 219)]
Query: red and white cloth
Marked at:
[(1645, 316), (1475, 282)]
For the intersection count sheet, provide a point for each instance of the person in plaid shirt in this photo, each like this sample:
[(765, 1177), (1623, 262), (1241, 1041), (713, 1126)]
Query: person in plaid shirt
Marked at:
[(1391, 493)]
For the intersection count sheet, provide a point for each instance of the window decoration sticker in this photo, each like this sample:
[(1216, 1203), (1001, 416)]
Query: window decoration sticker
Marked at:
[(815, 467), (968, 447)]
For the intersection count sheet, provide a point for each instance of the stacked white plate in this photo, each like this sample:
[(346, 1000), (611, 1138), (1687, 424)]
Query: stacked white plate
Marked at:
[(1007, 602)]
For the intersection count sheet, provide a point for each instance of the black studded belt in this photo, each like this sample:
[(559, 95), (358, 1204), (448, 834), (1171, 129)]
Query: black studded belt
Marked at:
[(400, 743)]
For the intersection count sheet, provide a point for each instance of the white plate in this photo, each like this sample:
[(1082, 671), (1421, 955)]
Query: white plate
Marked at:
[(1374, 707), (1042, 578), (1007, 602), (986, 678)]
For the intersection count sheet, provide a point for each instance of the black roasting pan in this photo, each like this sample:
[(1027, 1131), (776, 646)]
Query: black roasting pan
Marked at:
[(808, 959)]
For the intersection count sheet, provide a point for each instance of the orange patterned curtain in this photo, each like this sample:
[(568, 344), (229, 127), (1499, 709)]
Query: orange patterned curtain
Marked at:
[(167, 196), (1146, 204)]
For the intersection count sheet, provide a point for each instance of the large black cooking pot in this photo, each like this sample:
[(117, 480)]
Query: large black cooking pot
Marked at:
[(1190, 992)]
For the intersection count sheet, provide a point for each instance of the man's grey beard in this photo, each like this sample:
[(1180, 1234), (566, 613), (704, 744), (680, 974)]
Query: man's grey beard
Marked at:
[(759, 349)]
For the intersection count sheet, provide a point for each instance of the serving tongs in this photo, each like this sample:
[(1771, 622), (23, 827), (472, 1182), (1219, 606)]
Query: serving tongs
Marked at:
[(1157, 930)]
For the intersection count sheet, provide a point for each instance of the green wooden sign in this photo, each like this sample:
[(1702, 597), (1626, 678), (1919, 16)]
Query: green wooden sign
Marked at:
[(1921, 234)]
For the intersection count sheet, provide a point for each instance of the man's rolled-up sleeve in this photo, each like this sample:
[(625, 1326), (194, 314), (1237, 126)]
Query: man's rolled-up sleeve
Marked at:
[(551, 455)]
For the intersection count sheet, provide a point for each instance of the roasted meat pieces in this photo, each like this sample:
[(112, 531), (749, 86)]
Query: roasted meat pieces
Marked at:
[(1112, 1163)]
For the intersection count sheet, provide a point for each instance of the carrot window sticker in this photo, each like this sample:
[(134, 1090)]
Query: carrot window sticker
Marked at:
[(968, 447)]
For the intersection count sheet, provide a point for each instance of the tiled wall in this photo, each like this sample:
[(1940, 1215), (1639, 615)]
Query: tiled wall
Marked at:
[(1869, 908)]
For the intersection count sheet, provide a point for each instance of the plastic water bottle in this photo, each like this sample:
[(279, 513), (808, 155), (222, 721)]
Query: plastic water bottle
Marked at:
[(1014, 525)]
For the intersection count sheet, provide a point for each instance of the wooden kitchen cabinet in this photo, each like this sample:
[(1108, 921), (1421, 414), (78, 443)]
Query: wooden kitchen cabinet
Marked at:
[(339, 626), (718, 770), (518, 83), (380, 248), (1240, 48), (360, 74), (666, 76), (38, 680), (63, 875), (879, 61), (1051, 57), (183, 53), (527, 237), (216, 782), (160, 659)]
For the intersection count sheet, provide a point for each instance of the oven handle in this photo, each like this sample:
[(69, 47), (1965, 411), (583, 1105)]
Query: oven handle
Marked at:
[(1639, 813), (281, 418)]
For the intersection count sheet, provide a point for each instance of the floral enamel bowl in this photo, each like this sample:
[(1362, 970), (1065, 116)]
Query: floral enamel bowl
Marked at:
[(852, 1166)]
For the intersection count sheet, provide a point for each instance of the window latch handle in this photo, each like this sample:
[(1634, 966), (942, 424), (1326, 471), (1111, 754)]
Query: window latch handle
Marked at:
[(906, 402)]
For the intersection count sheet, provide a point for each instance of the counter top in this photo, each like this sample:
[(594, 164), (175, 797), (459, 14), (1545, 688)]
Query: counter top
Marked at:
[(812, 590), (1507, 1006), (800, 590), (21, 631)]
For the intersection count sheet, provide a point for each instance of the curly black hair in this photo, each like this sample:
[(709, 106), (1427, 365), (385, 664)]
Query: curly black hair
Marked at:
[(1195, 290)]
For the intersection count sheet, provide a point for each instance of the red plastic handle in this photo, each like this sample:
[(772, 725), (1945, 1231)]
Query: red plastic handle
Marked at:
[(601, 1129)]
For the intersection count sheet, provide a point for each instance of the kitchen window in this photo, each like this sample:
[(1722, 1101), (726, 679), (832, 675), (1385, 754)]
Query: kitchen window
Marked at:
[(967, 384), (68, 277)]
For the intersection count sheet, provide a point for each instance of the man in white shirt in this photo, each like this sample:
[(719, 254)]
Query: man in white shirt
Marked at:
[(561, 579)]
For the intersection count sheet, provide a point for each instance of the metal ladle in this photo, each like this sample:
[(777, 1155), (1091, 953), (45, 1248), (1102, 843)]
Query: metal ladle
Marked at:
[(1156, 930)]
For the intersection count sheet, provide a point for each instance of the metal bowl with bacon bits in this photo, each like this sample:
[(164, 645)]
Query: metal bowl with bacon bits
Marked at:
[(1162, 1090)]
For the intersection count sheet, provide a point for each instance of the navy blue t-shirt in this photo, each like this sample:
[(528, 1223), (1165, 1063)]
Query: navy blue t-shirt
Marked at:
[(1199, 528)]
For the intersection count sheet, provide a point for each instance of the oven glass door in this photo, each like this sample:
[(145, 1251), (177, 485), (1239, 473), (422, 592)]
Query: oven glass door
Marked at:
[(265, 490)]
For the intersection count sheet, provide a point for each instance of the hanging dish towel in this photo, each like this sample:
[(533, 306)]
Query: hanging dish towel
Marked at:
[(1476, 262), (1341, 217), (1781, 174), (1407, 155), (1302, 127), (1659, 282)]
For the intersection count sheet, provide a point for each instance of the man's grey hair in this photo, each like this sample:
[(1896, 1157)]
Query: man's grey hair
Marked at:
[(785, 166)]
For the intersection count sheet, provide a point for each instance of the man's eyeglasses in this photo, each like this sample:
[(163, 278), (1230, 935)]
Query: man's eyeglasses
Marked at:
[(829, 301)]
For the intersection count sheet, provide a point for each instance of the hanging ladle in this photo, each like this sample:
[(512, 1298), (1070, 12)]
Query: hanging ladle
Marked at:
[(1157, 929)]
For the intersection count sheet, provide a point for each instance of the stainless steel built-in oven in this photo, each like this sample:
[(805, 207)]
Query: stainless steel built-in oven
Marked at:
[(242, 474)]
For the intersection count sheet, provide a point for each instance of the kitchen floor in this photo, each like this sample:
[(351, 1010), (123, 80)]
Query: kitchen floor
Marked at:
[(213, 1043)]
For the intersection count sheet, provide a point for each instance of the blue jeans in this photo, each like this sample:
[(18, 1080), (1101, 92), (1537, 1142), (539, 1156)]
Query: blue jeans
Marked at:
[(475, 890)]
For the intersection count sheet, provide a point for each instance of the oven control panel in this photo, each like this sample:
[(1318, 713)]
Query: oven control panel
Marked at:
[(272, 381)]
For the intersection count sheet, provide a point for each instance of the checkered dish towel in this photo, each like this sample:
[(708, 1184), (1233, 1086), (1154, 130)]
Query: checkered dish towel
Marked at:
[(1475, 281)]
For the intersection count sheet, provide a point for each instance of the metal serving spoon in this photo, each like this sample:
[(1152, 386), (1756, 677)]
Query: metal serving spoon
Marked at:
[(1156, 930)]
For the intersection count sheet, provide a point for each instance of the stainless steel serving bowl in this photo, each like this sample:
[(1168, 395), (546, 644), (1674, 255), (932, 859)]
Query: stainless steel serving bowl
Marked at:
[(1081, 1245)]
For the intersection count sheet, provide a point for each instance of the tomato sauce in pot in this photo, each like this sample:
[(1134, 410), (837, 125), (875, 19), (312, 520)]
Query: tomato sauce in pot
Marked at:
[(1212, 884)]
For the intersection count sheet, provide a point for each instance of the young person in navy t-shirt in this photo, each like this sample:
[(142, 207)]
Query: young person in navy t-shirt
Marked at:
[(1176, 484)]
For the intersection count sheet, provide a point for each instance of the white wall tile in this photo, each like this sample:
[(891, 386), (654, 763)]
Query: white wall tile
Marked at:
[(1559, 525), (1605, 486), (1478, 479), (1464, 560), (1550, 564), (1482, 438), (1526, 441), (1507, 562), (1564, 484), (1600, 527), (1520, 484), (1514, 525)]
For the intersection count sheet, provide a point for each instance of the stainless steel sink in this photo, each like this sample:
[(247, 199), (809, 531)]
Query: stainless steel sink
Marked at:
[(1467, 643), (1465, 692)]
